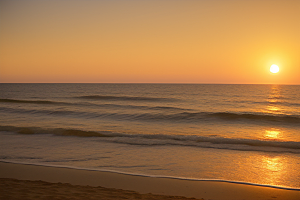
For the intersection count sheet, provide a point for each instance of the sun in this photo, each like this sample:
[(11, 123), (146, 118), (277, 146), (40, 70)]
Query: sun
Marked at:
[(274, 69)]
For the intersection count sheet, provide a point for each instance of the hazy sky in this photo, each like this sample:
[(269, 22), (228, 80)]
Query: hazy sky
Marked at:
[(157, 41)]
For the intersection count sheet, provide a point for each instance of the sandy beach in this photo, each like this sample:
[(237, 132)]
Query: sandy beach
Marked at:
[(22, 189), (19, 181)]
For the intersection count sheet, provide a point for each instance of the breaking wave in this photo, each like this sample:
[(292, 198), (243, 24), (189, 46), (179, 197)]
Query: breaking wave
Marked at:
[(164, 139), (183, 117)]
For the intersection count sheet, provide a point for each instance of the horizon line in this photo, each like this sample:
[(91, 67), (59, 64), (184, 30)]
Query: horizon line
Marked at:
[(171, 83)]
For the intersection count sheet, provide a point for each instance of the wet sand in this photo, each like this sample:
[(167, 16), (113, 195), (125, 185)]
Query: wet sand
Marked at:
[(19, 181), (35, 190)]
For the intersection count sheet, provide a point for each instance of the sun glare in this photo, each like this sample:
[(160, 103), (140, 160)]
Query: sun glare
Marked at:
[(274, 69)]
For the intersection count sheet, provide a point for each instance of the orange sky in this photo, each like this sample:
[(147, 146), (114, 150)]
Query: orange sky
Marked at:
[(152, 41)]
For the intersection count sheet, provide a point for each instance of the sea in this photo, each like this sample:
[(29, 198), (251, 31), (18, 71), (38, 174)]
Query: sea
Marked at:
[(247, 134)]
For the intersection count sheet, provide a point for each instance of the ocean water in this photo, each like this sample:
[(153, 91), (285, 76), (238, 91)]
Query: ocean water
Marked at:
[(238, 133)]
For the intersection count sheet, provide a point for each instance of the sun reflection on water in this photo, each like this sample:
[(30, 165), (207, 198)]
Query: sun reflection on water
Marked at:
[(273, 100), (273, 108), (268, 169), (275, 94), (272, 164), (273, 168), (272, 134)]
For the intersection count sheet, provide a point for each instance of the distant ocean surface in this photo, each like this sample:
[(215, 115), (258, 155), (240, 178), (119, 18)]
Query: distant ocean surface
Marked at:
[(242, 133)]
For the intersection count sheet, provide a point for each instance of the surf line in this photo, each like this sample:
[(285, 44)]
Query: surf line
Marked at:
[(156, 176)]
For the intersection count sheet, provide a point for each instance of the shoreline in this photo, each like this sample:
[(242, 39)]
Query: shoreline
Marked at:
[(156, 176), (206, 189)]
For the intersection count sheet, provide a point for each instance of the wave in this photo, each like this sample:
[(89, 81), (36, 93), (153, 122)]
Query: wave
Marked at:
[(281, 103), (257, 117), (30, 101), (56, 131), (92, 104), (164, 139), (184, 117), (169, 108), (124, 98)]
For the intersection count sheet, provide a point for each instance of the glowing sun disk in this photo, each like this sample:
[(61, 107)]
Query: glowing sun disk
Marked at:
[(274, 69)]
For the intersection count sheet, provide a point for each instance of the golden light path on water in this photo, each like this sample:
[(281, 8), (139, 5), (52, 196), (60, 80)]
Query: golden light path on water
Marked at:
[(273, 99), (272, 169)]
